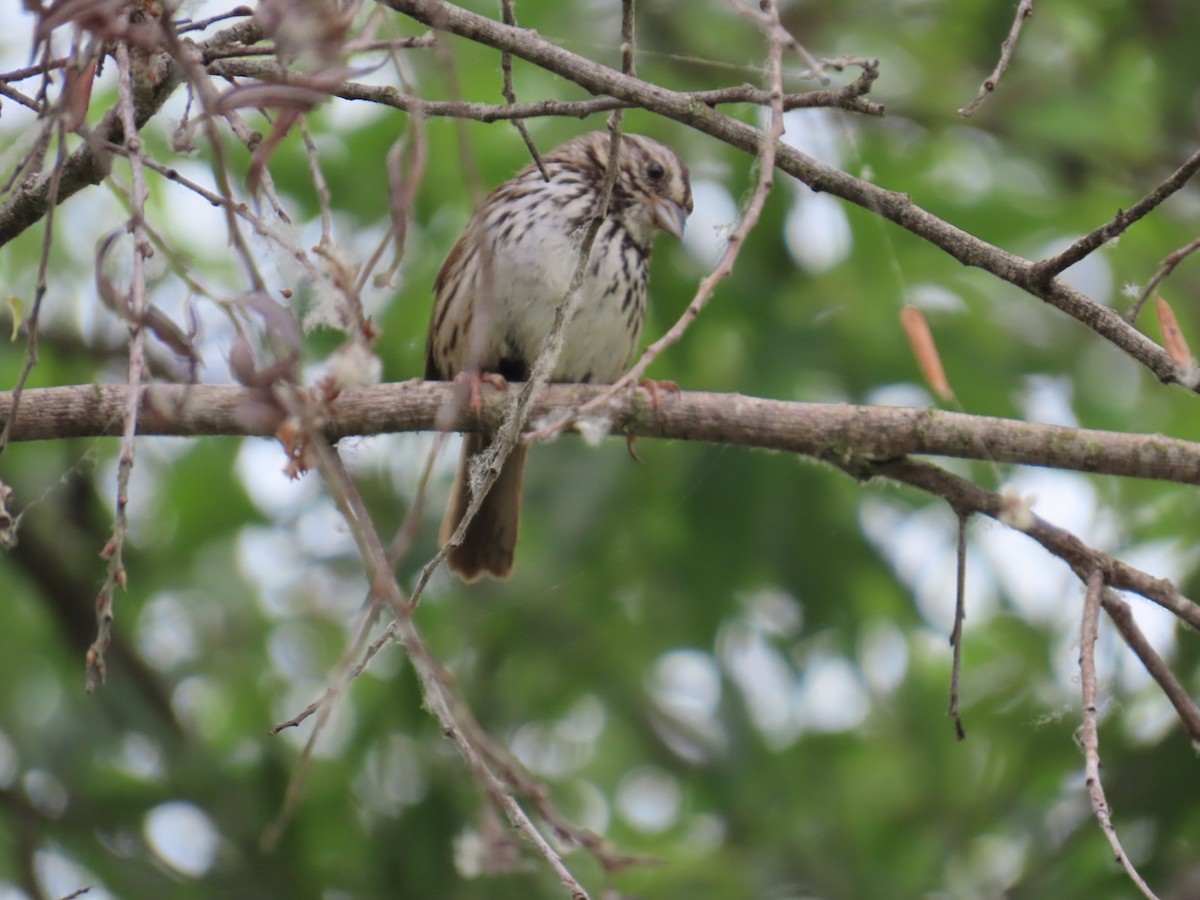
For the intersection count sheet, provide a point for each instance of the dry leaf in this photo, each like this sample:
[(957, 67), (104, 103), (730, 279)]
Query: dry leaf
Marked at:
[(921, 340), (1173, 339)]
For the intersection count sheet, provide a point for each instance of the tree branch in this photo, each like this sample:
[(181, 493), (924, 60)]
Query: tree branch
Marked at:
[(836, 433)]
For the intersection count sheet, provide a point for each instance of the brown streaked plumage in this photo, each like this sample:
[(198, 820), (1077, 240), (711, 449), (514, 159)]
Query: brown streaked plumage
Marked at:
[(497, 292)]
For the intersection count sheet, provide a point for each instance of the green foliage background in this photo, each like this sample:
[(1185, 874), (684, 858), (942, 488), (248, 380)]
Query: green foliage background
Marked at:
[(746, 572)]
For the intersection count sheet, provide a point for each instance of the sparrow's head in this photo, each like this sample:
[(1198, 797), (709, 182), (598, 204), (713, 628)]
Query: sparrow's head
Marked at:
[(652, 191)]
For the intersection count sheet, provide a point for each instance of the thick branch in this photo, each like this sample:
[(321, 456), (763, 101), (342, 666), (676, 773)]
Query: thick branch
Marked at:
[(837, 433)]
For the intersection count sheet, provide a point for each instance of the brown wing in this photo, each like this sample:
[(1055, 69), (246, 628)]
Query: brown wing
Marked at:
[(442, 337)]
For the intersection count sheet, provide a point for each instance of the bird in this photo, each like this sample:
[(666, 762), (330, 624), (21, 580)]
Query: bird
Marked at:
[(497, 292)]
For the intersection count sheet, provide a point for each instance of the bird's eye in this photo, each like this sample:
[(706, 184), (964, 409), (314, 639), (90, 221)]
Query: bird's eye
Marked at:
[(655, 171)]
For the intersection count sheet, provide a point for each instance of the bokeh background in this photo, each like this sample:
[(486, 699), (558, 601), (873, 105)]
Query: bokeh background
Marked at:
[(732, 662)]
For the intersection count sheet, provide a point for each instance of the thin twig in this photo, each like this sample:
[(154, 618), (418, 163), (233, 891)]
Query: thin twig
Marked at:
[(16, 96), (1118, 224), (1165, 268), (243, 51), (200, 24), (137, 305), (39, 293), (510, 93), (320, 185), (29, 71), (1089, 733), (960, 613), (1024, 11)]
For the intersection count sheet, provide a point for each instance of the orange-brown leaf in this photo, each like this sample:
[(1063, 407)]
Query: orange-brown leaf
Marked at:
[(921, 340), (1173, 339)]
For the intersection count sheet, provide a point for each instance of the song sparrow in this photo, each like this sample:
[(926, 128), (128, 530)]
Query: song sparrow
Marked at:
[(497, 292)]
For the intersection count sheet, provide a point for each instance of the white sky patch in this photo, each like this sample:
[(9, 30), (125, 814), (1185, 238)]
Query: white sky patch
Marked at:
[(773, 610), (686, 685), (182, 836), (259, 466), (649, 799), (1149, 717), (271, 560), (1039, 585), (931, 297), (902, 394), (140, 757), (166, 634), (393, 776), (46, 792), (294, 650), (831, 697), (763, 676), (323, 532), (59, 876), (817, 232), (1047, 399), (963, 164), (713, 218), (883, 655), (1092, 275), (921, 546), (554, 750), (818, 133)]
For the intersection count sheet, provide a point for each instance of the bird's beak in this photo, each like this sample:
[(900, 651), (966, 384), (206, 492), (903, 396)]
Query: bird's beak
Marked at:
[(670, 217)]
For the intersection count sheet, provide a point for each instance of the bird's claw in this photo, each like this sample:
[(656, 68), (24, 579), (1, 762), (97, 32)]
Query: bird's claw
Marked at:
[(630, 440), (653, 388), (475, 382)]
